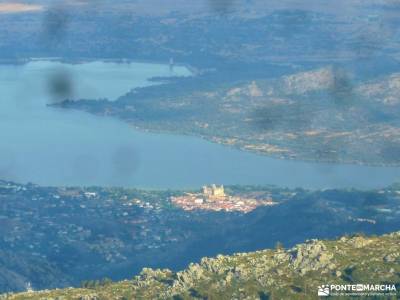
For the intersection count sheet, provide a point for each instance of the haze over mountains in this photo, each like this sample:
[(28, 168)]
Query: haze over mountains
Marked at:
[(329, 114), (311, 81), (350, 29), (57, 237)]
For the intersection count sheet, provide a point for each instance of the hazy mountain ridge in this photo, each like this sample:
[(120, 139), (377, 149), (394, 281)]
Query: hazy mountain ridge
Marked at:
[(312, 113), (201, 35), (302, 81), (323, 114), (294, 273), (57, 237)]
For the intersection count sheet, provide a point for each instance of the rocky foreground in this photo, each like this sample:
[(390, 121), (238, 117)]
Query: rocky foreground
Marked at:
[(294, 273)]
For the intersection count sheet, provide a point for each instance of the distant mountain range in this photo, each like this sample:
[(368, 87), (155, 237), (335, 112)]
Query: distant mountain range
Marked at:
[(307, 82)]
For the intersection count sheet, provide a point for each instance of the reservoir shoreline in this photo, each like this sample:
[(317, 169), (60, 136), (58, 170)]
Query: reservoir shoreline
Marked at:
[(58, 147)]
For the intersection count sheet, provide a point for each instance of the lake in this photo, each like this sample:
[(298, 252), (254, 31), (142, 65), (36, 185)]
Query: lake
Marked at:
[(51, 146)]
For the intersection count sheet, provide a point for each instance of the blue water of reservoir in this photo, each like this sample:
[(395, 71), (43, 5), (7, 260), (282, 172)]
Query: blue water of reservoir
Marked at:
[(50, 146)]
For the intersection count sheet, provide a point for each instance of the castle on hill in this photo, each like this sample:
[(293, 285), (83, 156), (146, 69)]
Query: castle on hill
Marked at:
[(214, 192)]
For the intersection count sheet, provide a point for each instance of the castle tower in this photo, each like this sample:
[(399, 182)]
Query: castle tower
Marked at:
[(28, 287), (207, 192), (218, 192), (214, 192)]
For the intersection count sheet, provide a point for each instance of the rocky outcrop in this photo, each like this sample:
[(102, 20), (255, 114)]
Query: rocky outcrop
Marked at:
[(285, 274), (305, 82), (311, 257), (385, 90)]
